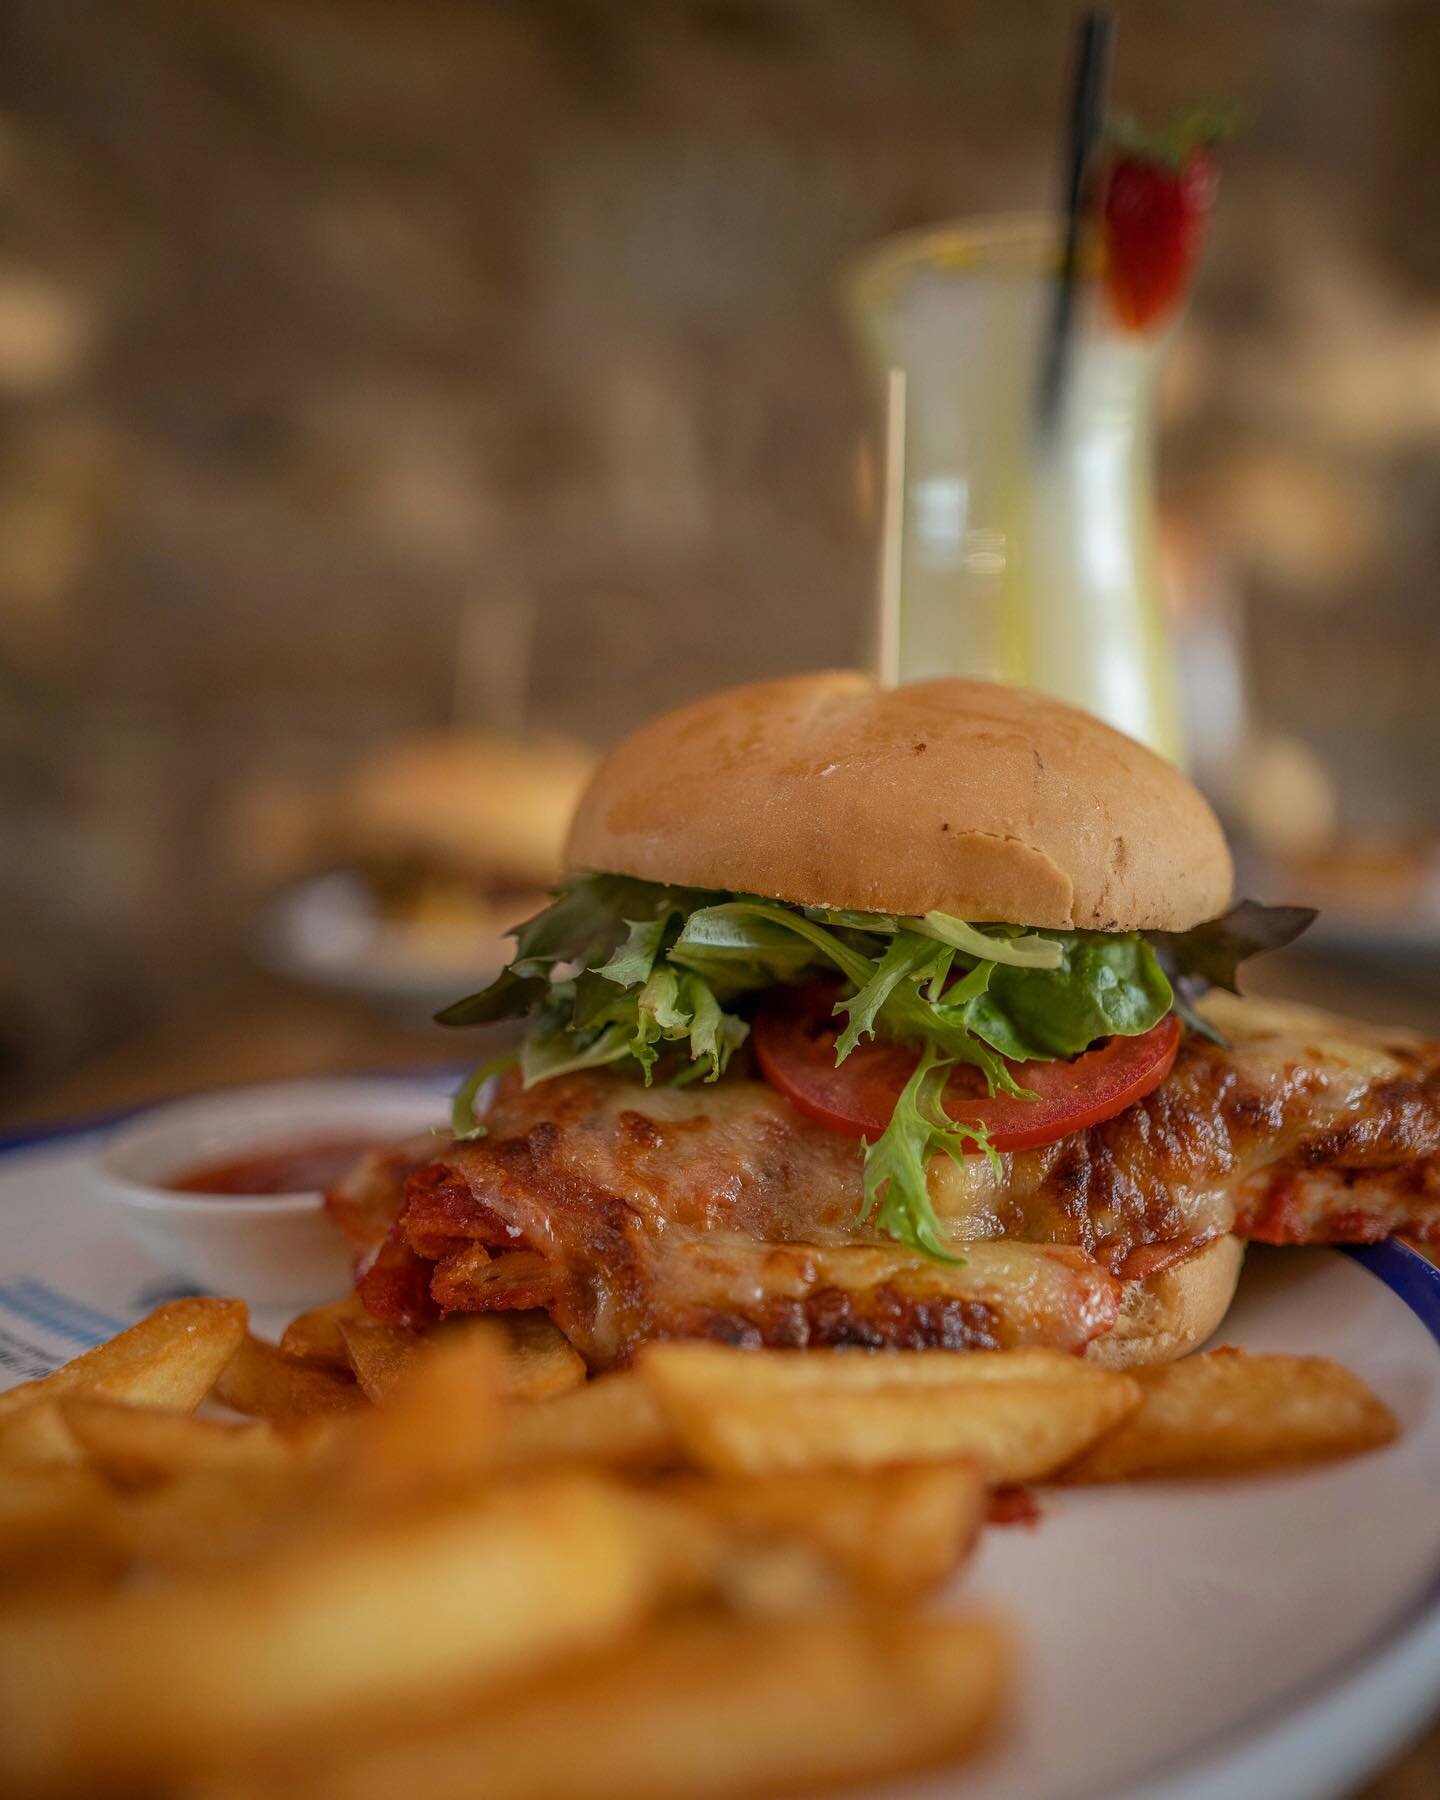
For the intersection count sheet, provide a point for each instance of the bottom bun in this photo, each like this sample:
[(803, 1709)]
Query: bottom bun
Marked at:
[(1168, 1314)]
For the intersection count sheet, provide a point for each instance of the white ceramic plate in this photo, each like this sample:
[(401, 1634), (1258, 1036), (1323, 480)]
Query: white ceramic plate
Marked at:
[(1276, 1637)]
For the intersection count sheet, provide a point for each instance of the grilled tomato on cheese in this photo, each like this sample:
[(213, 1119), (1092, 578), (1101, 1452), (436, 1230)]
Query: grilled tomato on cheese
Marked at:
[(893, 1018)]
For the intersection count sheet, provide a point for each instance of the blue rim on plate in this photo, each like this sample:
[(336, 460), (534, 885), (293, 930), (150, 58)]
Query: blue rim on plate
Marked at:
[(1406, 1273)]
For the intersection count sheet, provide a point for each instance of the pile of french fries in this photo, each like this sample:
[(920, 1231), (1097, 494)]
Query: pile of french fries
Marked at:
[(452, 1565)]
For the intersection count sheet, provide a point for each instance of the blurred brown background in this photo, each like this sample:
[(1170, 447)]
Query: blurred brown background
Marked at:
[(324, 326)]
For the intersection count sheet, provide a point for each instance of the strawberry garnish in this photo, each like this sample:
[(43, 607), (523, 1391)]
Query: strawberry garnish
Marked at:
[(1158, 194)]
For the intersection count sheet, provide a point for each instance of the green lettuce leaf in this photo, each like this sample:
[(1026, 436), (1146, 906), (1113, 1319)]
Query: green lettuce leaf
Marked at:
[(551, 1053), (464, 1125), (934, 977), (585, 923), (715, 1035), (635, 958), (897, 1195), (1105, 985), (846, 919), (768, 935), (948, 1024), (1033, 951), (668, 1006), (1210, 955), (907, 955), (511, 995), (659, 1017)]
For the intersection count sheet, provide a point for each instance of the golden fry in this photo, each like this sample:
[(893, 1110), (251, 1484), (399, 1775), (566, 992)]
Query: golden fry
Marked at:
[(380, 1355), (262, 1383), (315, 1337), (209, 1516), (53, 1522), (615, 1420), (136, 1446), (423, 1578), (539, 1361), (534, 1359), (36, 1437), (442, 1422), (711, 1710), (172, 1359), (855, 1371), (758, 1412), (895, 1533), (144, 1681), (1228, 1413)]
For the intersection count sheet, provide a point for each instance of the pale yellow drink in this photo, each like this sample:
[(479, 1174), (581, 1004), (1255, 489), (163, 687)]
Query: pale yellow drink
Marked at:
[(1024, 555)]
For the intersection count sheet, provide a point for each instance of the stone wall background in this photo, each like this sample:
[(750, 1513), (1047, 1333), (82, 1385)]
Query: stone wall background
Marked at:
[(323, 325)]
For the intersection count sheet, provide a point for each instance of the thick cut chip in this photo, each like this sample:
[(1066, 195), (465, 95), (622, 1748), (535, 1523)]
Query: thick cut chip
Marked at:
[(895, 1533), (36, 1437), (1229, 1413), (173, 1359), (209, 1517), (859, 1371), (262, 1383), (138, 1446), (380, 1355), (539, 1361), (54, 1530), (710, 1710), (615, 1420), (760, 1412), (534, 1360), (315, 1336), (147, 1681), (440, 1425), (170, 1359)]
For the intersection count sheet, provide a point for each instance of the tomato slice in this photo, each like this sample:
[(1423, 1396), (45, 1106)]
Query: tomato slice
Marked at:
[(794, 1038)]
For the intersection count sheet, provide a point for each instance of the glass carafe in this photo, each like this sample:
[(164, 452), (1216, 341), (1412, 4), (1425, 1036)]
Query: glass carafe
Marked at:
[(1022, 554)]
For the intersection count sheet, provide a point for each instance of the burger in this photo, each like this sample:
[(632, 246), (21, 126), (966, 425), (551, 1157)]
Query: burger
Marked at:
[(893, 1018), (450, 839)]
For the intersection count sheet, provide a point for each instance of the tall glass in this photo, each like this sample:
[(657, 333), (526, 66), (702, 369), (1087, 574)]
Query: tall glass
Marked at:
[(1022, 554)]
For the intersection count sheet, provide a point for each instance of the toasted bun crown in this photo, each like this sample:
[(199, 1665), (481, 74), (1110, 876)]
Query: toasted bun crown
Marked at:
[(982, 801)]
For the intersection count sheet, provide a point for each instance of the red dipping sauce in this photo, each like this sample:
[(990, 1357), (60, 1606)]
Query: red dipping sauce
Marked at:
[(300, 1168)]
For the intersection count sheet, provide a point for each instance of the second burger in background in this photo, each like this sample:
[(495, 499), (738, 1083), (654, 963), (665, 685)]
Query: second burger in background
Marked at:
[(457, 834), (431, 847)]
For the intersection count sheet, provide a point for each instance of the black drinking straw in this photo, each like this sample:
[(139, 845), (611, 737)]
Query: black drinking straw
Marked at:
[(1090, 82)]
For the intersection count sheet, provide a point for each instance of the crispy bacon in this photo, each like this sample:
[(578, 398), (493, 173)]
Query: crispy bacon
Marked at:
[(630, 1213)]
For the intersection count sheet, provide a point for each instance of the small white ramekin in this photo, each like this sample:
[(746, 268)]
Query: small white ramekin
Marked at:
[(272, 1250)]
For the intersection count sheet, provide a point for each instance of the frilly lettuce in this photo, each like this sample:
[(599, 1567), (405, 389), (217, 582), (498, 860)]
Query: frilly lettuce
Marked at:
[(897, 1194)]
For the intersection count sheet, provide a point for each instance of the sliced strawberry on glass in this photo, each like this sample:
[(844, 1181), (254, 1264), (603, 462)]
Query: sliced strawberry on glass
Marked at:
[(1159, 190)]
